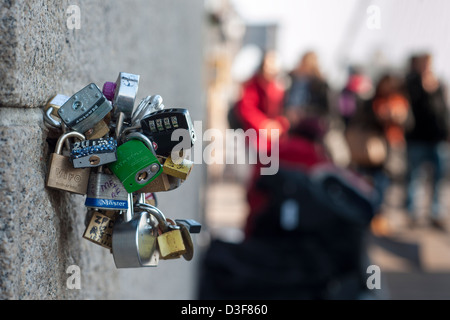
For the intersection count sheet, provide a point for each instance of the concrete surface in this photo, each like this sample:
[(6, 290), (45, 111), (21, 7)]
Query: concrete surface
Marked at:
[(40, 229)]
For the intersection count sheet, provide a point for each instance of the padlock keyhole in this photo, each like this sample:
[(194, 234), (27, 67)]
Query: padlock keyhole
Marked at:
[(94, 160), (142, 176), (77, 104)]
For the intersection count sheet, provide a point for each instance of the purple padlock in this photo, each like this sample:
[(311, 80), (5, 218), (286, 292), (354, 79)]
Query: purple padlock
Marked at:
[(109, 90)]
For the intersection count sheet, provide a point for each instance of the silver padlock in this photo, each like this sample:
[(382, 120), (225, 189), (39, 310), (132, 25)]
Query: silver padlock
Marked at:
[(105, 192), (134, 239), (122, 93), (85, 109)]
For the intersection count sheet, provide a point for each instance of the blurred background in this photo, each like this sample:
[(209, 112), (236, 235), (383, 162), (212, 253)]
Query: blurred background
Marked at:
[(391, 58)]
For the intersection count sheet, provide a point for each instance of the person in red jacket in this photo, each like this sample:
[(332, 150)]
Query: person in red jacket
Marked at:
[(261, 103)]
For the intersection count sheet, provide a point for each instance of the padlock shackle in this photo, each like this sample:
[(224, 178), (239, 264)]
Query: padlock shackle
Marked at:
[(147, 106), (162, 222), (50, 120), (141, 137), (62, 139)]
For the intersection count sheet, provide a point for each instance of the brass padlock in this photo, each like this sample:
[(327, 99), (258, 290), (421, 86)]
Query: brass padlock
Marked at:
[(100, 130), (170, 240), (187, 239), (62, 175), (100, 228), (179, 169), (160, 184)]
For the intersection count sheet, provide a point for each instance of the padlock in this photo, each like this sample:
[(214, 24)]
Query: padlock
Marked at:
[(100, 228), (170, 240), (106, 192), (136, 164), (51, 118), (55, 103), (134, 240), (62, 175), (179, 169), (188, 227), (187, 240), (100, 130), (160, 184), (52, 123), (122, 94), (192, 225), (160, 125), (93, 153), (85, 109)]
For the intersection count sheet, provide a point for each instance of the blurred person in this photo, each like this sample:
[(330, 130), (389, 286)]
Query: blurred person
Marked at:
[(307, 95), (391, 107), (356, 90), (261, 103), (429, 133), (375, 135), (304, 235)]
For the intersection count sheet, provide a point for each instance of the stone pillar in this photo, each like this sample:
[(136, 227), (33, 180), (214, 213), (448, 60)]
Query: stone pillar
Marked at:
[(42, 55)]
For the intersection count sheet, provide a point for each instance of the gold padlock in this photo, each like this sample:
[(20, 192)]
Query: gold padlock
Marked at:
[(62, 175), (160, 184), (100, 227), (188, 243), (100, 130), (171, 244), (179, 169)]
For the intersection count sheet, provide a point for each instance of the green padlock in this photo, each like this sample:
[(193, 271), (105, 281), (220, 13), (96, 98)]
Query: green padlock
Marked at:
[(137, 164)]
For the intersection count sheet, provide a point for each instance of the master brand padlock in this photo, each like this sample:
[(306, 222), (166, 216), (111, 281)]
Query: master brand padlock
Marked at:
[(136, 164), (85, 109), (106, 192), (100, 228), (62, 175), (170, 240), (134, 240), (93, 153)]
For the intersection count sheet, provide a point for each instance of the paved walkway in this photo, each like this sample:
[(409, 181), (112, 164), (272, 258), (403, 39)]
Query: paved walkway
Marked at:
[(414, 262)]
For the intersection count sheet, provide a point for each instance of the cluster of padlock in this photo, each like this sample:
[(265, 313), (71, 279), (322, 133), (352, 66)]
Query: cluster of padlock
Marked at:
[(119, 155)]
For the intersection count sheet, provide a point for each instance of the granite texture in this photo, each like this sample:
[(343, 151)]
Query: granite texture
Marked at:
[(41, 229)]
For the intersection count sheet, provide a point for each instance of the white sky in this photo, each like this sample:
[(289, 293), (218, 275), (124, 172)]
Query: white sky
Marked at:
[(337, 30)]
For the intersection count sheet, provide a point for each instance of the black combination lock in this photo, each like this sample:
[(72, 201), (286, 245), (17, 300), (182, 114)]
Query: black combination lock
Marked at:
[(160, 125)]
